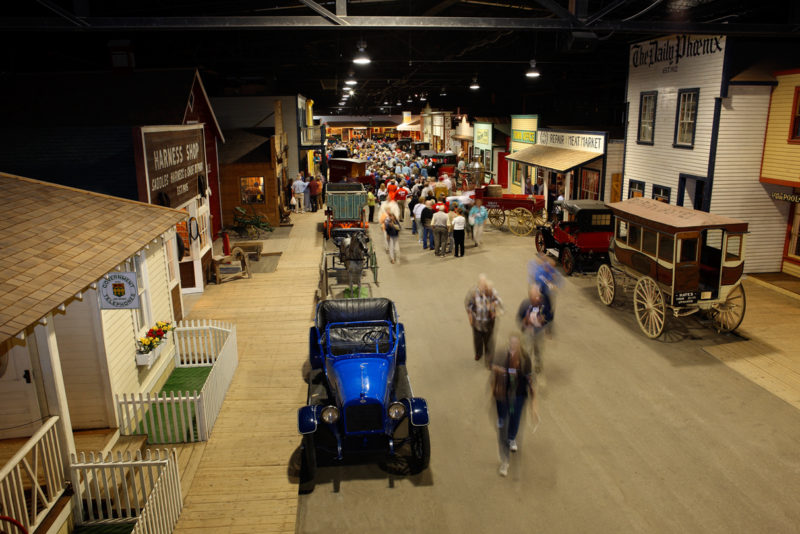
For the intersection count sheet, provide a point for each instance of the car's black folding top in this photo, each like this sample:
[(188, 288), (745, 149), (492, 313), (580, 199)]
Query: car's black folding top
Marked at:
[(350, 310)]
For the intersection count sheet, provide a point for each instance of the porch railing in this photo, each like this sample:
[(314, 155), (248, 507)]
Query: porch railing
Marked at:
[(33, 480), (171, 418), (143, 490)]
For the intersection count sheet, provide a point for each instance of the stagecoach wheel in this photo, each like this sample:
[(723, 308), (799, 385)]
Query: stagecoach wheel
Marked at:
[(539, 218), (539, 240), (567, 260), (497, 217), (308, 465), (420, 447), (728, 315), (605, 284), (521, 222), (648, 303)]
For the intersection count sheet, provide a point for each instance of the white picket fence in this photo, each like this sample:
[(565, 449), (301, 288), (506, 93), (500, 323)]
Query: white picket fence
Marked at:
[(33, 479), (145, 490), (170, 418)]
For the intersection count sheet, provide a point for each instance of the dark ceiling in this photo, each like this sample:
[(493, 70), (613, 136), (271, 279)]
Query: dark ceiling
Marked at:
[(418, 47)]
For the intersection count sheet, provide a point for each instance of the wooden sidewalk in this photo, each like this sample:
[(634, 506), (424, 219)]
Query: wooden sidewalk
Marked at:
[(244, 482)]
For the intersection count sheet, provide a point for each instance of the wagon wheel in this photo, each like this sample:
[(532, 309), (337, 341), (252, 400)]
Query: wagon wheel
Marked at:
[(648, 303), (728, 315), (521, 221), (497, 217), (541, 243), (605, 284), (567, 260), (539, 218)]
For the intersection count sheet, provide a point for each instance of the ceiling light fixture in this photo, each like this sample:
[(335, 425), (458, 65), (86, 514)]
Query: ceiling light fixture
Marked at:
[(409, 99), (474, 85), (443, 92), (385, 102), (533, 72), (399, 103), (422, 97), (350, 81), (362, 58)]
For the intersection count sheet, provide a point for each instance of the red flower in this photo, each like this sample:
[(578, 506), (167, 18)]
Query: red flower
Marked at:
[(160, 333)]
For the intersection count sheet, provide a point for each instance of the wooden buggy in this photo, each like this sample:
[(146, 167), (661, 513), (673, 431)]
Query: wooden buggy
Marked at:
[(523, 212), (345, 206), (678, 259)]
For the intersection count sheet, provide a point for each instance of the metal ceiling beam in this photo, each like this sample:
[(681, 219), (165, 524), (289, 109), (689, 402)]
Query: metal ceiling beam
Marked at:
[(325, 13), (556, 9), (341, 8), (384, 23), (62, 13), (605, 11)]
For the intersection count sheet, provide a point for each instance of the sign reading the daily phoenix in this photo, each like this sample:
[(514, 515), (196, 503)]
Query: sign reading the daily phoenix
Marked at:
[(119, 292), (174, 159), (669, 52)]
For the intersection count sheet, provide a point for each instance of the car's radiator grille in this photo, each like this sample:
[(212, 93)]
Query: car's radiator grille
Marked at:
[(363, 417)]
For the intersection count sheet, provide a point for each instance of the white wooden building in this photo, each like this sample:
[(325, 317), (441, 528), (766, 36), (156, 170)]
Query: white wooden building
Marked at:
[(64, 354), (695, 135)]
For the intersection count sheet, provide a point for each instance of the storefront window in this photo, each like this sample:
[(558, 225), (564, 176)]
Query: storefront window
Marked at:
[(590, 184), (686, 117), (171, 250), (795, 128), (635, 188), (252, 190), (661, 193), (141, 315), (647, 117)]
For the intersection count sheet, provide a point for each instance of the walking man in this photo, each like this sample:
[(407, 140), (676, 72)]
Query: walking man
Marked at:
[(483, 305), (298, 190), (439, 223)]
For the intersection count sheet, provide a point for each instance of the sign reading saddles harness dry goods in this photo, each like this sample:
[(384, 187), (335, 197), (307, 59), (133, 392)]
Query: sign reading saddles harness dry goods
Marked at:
[(174, 160)]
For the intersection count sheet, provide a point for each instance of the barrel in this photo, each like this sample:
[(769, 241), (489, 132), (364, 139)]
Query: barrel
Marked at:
[(494, 191)]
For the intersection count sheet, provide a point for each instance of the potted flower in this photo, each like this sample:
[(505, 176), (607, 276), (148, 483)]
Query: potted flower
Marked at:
[(148, 348)]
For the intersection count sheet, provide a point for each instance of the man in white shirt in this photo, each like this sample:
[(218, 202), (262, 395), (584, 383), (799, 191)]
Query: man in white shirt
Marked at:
[(439, 225), (298, 190)]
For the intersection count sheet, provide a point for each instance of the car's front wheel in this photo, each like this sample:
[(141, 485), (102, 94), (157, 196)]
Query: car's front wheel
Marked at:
[(420, 448)]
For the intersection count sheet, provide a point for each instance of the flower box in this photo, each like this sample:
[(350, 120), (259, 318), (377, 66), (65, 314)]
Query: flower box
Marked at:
[(147, 358)]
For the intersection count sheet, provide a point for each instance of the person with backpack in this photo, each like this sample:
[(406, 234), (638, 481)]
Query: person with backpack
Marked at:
[(392, 228)]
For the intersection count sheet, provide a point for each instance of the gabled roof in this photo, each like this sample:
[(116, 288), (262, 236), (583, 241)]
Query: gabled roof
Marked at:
[(58, 240), (251, 145), (99, 98)]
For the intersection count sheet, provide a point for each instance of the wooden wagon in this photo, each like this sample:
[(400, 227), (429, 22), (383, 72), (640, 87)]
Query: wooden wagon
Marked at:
[(678, 259), (345, 203), (523, 212)]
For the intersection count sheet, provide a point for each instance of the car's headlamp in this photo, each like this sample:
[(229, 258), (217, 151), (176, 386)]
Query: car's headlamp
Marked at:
[(397, 410), (330, 414)]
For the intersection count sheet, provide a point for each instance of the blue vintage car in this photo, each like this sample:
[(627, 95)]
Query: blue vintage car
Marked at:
[(359, 397)]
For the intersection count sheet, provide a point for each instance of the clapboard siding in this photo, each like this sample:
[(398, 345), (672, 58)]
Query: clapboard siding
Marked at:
[(120, 336), (661, 163), (781, 158), (84, 377), (614, 152), (737, 191)]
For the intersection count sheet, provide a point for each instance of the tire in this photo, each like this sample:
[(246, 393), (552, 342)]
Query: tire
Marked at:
[(308, 466), (540, 241), (567, 260), (420, 448), (648, 304), (606, 287), (497, 217), (728, 315)]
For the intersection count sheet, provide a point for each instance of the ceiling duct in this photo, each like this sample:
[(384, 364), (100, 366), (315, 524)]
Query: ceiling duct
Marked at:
[(581, 42)]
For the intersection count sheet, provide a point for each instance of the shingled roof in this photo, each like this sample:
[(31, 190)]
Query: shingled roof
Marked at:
[(56, 241)]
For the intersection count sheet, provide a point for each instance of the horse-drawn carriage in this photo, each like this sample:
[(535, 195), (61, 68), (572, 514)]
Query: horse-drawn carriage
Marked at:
[(678, 259), (346, 258), (523, 212), (345, 203)]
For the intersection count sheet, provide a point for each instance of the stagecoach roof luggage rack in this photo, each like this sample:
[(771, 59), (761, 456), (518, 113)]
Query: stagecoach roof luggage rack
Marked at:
[(671, 218), (339, 187)]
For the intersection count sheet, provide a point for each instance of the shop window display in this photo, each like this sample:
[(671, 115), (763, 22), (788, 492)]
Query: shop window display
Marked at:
[(252, 190)]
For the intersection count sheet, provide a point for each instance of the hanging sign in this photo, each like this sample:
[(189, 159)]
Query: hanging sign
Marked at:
[(174, 157), (119, 292), (524, 136), (586, 142), (789, 197)]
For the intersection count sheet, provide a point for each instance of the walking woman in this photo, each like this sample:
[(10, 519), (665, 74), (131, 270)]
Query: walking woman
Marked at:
[(392, 229), (459, 224), (513, 384)]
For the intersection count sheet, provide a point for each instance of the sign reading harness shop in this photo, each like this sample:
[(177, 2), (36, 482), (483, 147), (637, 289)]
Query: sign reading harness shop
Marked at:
[(119, 292), (174, 158)]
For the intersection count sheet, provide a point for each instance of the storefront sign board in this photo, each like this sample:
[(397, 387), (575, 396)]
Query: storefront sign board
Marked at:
[(667, 54), (524, 136), (174, 158), (483, 135), (119, 291), (789, 197), (573, 140)]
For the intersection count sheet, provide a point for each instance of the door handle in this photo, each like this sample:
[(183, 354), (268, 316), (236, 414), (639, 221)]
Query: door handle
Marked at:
[(27, 376)]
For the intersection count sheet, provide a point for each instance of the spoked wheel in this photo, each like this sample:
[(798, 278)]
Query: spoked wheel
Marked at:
[(648, 303), (420, 447), (567, 260), (521, 221), (539, 218), (497, 217), (605, 284), (728, 315), (539, 240)]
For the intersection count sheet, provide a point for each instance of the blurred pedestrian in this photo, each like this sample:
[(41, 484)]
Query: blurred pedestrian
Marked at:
[(512, 385), (371, 204), (425, 220), (534, 316), (483, 305), (459, 224), (477, 218), (392, 229), (439, 224)]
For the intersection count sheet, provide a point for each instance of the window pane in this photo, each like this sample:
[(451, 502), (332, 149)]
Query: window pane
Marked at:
[(252, 190), (733, 248), (633, 236), (687, 112), (622, 231), (649, 242), (665, 247), (688, 250)]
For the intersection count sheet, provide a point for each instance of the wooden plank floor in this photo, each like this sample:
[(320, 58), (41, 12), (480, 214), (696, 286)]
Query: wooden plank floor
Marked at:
[(242, 481), (767, 351)]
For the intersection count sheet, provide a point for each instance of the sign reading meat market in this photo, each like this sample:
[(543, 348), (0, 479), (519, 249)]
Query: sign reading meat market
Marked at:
[(174, 160)]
